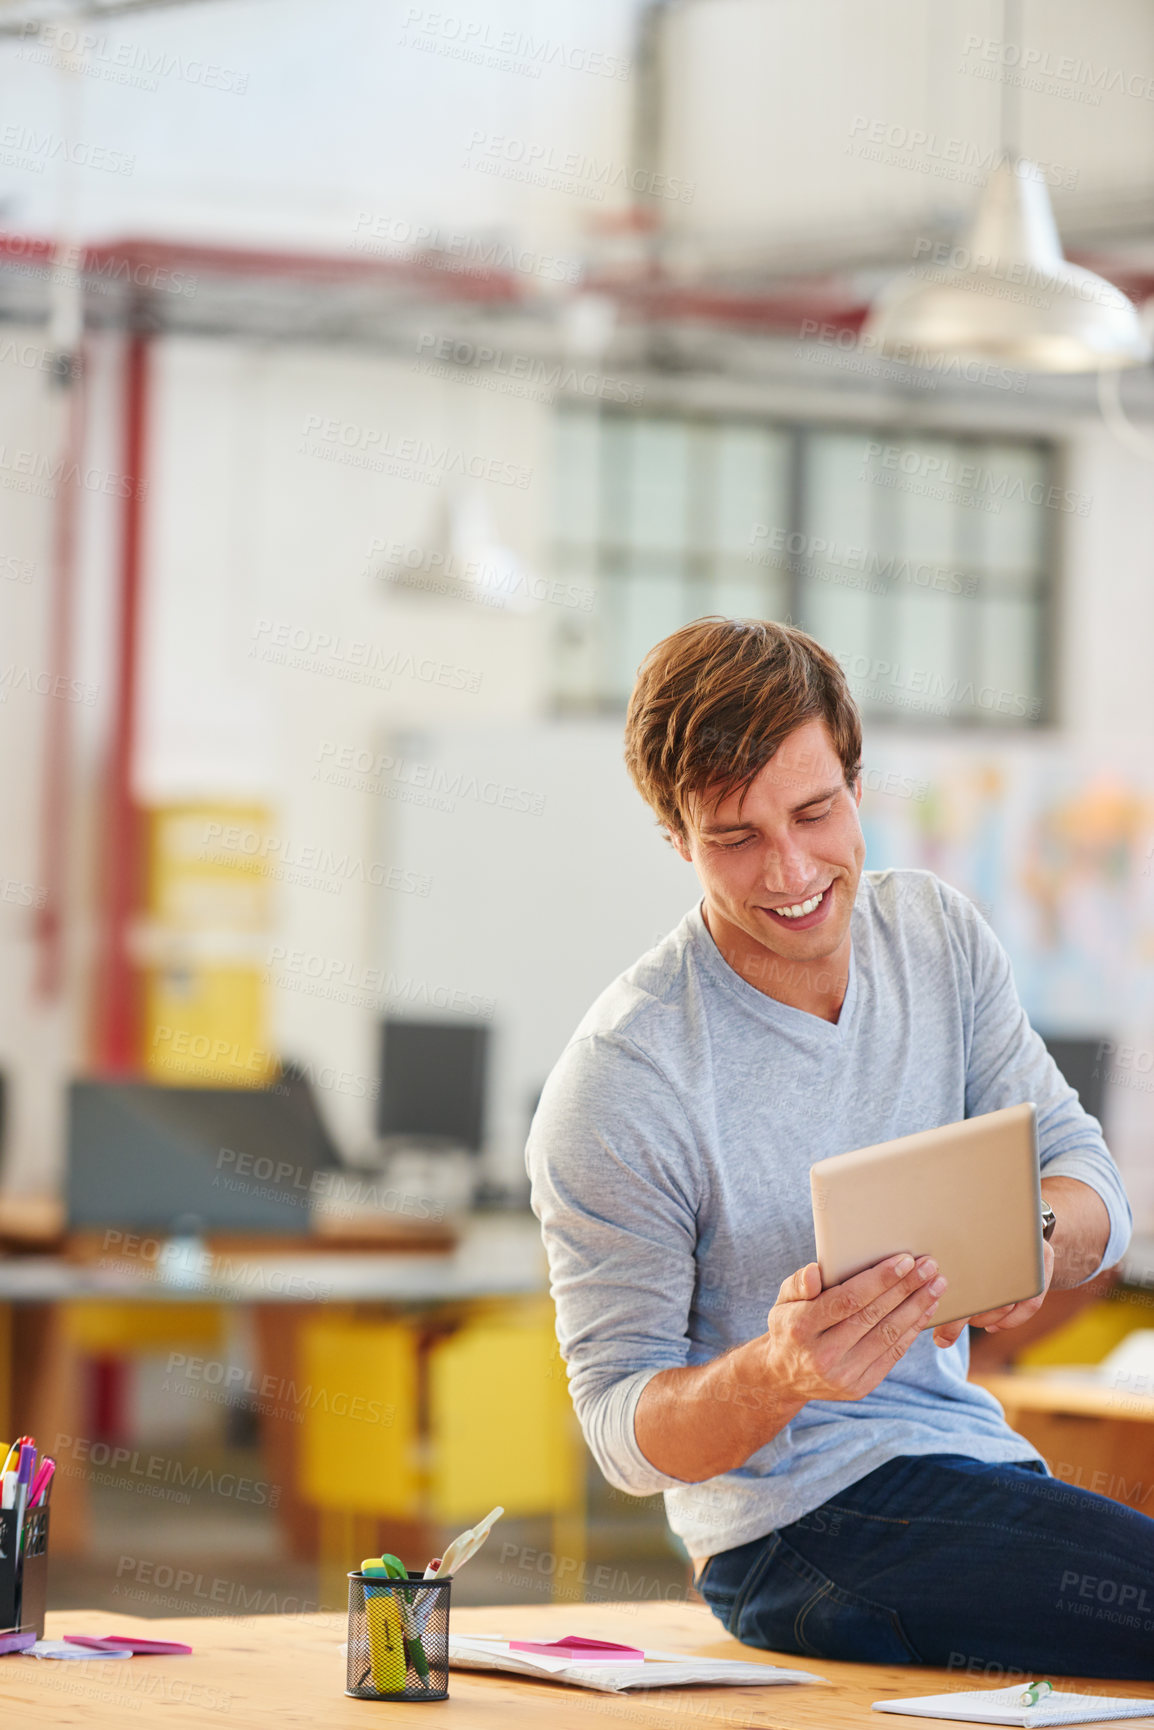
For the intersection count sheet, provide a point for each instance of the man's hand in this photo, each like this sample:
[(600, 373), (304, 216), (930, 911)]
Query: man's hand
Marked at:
[(839, 1344), (1009, 1316), (700, 1420)]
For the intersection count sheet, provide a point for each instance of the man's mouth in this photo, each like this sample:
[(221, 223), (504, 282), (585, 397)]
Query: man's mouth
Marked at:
[(803, 913)]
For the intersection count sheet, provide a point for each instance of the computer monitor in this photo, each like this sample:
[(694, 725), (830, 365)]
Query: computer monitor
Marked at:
[(234, 1159), (1081, 1063), (433, 1082)]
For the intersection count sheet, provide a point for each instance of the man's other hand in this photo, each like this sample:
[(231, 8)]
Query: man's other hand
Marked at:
[(1009, 1316)]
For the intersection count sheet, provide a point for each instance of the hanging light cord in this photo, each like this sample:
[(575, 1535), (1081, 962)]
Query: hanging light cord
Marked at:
[(1011, 108)]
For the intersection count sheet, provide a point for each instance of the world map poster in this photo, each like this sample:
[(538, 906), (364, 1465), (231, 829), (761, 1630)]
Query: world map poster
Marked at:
[(1055, 845)]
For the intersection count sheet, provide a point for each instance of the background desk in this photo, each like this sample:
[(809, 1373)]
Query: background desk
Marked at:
[(288, 1670), (1091, 1436), (47, 1301)]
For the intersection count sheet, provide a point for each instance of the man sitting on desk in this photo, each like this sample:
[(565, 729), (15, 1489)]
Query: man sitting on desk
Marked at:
[(844, 1491)]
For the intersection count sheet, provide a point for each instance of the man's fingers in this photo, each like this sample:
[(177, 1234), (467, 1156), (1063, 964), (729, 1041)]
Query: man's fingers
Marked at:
[(950, 1332), (895, 1347), (858, 1305), (845, 1300), (987, 1318), (1015, 1315), (901, 1326)]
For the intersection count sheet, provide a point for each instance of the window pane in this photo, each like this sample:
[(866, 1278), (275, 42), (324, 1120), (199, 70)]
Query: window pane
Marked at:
[(578, 449), (1009, 681), (920, 560), (1012, 536), (932, 653), (645, 607), (658, 499), (839, 497), (742, 593), (834, 552), (751, 466)]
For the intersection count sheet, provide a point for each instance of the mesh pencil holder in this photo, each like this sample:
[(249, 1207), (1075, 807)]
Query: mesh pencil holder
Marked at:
[(23, 1587), (398, 1638)]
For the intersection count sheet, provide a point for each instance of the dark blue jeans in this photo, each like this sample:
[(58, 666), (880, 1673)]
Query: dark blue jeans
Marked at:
[(991, 1571)]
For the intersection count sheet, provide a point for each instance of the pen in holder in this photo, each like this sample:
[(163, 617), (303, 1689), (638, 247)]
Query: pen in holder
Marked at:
[(23, 1575), (398, 1638)]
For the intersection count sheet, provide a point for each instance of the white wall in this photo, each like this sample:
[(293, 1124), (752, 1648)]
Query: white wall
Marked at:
[(886, 105), (257, 543), (275, 120), (551, 878)]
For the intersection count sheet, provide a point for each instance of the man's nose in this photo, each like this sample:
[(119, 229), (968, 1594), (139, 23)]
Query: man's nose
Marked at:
[(786, 867)]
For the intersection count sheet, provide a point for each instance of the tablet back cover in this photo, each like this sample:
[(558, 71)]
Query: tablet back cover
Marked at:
[(966, 1193)]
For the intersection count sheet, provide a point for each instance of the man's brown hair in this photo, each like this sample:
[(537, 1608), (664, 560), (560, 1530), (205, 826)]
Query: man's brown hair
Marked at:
[(713, 702)]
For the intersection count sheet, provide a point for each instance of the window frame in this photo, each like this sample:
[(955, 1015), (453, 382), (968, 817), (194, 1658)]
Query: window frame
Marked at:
[(608, 559)]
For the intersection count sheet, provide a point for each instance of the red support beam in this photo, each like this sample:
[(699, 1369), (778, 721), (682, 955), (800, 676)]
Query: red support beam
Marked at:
[(117, 991)]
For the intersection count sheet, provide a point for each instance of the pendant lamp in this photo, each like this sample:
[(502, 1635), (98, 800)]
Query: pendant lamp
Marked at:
[(1008, 293)]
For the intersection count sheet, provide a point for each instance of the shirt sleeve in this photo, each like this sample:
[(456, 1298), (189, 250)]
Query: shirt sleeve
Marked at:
[(1007, 1062), (609, 1158)]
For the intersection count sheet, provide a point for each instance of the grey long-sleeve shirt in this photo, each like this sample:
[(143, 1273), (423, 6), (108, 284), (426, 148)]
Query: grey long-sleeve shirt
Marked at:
[(670, 1158)]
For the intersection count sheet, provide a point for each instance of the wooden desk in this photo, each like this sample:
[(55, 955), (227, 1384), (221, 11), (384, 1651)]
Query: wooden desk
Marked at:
[(1093, 1437), (288, 1671)]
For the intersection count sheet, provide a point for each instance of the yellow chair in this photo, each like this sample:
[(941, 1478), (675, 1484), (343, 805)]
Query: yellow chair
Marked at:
[(109, 1329), (1089, 1336), (357, 1390), (498, 1427)]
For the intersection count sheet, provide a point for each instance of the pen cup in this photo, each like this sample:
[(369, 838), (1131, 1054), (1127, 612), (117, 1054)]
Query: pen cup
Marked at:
[(24, 1579), (398, 1638)]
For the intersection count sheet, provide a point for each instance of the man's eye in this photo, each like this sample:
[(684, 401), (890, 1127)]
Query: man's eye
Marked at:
[(820, 818), (731, 846)]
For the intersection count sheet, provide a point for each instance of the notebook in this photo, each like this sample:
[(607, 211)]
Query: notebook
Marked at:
[(656, 1669), (1002, 1706)]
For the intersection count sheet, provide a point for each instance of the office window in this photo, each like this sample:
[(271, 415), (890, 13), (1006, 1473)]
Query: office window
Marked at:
[(921, 560)]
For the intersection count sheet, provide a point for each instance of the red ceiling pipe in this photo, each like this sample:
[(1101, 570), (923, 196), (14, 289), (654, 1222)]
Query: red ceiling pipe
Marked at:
[(780, 308), (117, 1007), (786, 310), (133, 264)]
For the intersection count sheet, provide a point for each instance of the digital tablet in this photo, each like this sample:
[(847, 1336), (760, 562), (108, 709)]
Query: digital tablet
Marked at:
[(966, 1193)]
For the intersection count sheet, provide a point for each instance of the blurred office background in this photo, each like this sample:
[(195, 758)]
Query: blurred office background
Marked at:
[(377, 383)]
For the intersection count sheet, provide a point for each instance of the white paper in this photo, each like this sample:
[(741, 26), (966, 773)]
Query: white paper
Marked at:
[(1003, 1706), (64, 1649), (657, 1670)]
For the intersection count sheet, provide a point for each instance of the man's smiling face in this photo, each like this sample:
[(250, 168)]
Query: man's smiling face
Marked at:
[(780, 864)]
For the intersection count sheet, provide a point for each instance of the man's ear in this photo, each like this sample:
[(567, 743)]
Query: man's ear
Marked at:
[(857, 786), (677, 840)]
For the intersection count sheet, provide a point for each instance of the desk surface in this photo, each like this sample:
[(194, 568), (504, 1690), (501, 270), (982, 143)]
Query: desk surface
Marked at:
[(287, 1671), (1067, 1392), (495, 1258)]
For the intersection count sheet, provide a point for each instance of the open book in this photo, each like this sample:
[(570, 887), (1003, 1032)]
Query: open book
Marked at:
[(1003, 1706), (655, 1670)]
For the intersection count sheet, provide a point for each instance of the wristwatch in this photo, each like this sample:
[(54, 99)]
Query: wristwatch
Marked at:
[(1049, 1221)]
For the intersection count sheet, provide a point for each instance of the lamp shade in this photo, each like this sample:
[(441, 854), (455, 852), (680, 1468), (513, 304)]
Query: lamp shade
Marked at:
[(1007, 293)]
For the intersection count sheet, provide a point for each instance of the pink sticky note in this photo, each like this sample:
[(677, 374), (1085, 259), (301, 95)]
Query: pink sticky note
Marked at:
[(123, 1642), (574, 1646)]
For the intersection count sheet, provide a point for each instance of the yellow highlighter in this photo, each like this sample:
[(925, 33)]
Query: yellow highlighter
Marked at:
[(387, 1662)]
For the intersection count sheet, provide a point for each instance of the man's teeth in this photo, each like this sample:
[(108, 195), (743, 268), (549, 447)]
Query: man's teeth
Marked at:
[(800, 907)]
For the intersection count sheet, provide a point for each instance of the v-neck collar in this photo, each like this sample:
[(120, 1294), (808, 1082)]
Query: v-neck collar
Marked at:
[(783, 1014)]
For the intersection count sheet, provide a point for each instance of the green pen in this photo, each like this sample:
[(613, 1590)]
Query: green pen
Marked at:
[(1035, 1692), (392, 1569)]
